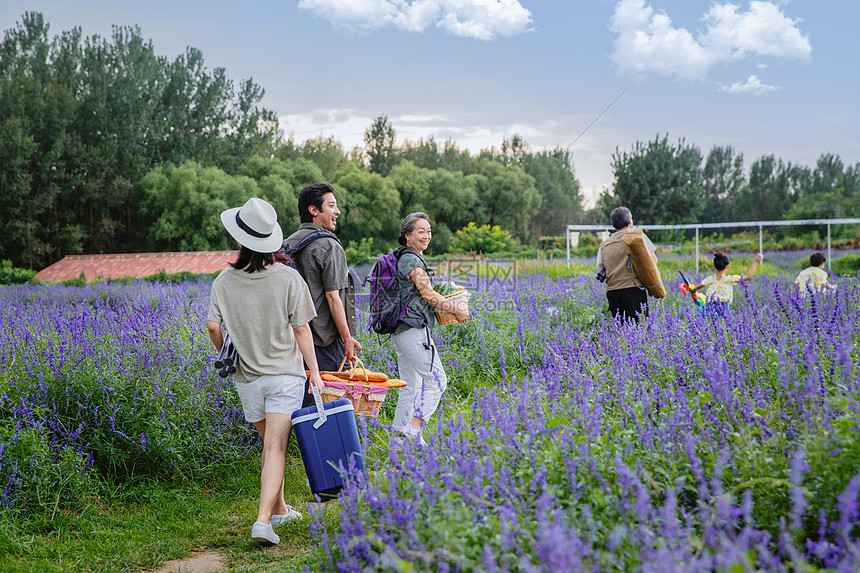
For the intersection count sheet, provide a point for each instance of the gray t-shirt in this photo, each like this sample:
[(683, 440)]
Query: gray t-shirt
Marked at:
[(322, 263), (419, 312), (260, 311)]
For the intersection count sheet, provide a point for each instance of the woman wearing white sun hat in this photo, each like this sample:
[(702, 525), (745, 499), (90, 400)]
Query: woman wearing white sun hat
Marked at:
[(265, 307)]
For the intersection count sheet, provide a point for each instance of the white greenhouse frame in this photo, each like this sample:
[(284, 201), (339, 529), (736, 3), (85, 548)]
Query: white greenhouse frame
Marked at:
[(729, 225)]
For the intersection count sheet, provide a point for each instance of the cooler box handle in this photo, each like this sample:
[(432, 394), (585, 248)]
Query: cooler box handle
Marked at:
[(320, 408)]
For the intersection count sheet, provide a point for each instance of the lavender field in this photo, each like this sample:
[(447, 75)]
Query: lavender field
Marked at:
[(566, 442)]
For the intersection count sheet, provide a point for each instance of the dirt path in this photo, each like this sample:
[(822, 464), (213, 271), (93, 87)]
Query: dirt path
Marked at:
[(197, 562)]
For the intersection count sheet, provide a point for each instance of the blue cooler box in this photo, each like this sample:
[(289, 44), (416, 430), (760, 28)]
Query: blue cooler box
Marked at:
[(325, 448)]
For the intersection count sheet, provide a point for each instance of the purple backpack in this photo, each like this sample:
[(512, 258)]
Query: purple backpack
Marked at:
[(386, 308)]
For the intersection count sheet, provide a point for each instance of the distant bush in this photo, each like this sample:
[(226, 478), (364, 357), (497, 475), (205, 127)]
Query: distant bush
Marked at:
[(10, 275), (847, 265), (360, 252), (484, 239), (557, 246), (79, 281), (180, 277), (160, 277), (748, 241)]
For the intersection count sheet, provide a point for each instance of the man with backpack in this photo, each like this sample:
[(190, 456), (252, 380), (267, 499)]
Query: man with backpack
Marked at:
[(319, 257), (625, 293)]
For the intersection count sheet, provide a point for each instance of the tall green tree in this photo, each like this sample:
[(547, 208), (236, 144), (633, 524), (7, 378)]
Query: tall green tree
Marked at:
[(506, 197), (42, 163), (326, 153), (660, 182), (422, 153), (369, 205), (829, 190), (379, 144), (413, 187), (456, 159), (554, 180), (723, 178), (185, 202), (559, 189), (449, 199), (82, 120), (769, 191)]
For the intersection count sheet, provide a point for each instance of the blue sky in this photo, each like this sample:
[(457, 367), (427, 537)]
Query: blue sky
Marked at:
[(764, 77)]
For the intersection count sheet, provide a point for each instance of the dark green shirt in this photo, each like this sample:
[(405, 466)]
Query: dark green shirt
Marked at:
[(419, 312), (322, 263)]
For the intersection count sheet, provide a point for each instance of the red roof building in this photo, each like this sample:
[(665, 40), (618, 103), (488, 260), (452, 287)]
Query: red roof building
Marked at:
[(95, 267)]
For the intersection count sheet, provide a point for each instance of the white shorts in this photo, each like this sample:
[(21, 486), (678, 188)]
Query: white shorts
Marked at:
[(271, 395)]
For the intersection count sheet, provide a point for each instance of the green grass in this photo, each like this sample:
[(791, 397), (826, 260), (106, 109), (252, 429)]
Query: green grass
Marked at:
[(139, 527)]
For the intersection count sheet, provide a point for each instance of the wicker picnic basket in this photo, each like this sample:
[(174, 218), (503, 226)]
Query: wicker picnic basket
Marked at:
[(461, 299), (366, 398)]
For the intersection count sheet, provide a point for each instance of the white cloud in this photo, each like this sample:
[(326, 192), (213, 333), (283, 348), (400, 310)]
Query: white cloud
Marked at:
[(752, 85), (763, 31), (481, 19), (648, 42)]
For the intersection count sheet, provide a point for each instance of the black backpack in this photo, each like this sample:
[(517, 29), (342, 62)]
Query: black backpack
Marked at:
[(293, 251)]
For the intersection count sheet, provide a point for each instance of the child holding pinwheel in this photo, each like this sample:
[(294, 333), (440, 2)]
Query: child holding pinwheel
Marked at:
[(719, 287)]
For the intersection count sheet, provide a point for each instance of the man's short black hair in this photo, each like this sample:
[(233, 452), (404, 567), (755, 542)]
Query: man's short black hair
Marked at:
[(816, 259), (721, 261), (312, 195), (620, 217)]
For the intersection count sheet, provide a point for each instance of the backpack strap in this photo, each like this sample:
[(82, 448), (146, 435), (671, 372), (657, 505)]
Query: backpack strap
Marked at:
[(293, 252), (399, 252), (308, 239), (633, 277)]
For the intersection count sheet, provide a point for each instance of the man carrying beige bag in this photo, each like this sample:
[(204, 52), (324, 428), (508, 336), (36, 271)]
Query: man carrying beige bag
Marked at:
[(627, 261)]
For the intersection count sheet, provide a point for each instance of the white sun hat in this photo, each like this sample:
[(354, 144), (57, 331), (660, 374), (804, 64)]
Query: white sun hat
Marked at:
[(254, 225)]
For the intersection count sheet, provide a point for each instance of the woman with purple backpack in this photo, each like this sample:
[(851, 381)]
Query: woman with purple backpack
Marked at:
[(418, 360)]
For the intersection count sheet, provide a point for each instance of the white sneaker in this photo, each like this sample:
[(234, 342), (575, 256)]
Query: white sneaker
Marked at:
[(413, 435), (263, 534), (289, 516)]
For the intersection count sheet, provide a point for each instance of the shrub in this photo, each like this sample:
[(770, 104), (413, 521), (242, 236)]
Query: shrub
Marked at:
[(360, 252), (847, 265), (76, 282), (38, 475), (180, 277), (484, 239), (10, 275)]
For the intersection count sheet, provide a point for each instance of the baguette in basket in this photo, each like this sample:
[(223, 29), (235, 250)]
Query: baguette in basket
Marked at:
[(359, 374), (364, 388), (388, 383)]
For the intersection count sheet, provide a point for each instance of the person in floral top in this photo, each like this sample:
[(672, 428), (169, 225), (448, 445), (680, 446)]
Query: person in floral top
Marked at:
[(719, 292)]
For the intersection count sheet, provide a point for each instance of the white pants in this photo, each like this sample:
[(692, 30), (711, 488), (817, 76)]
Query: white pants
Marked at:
[(425, 381)]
